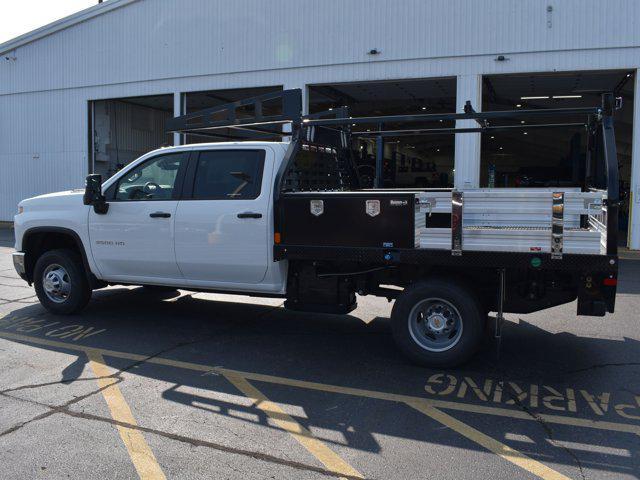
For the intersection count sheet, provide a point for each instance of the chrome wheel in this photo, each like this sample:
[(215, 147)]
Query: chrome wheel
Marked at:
[(56, 283), (435, 324)]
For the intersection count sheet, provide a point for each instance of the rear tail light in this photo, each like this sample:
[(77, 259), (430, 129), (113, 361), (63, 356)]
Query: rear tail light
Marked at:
[(610, 282)]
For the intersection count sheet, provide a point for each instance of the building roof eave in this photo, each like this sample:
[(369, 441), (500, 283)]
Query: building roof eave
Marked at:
[(63, 23)]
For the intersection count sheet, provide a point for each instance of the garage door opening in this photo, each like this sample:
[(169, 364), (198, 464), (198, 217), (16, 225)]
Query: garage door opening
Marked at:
[(126, 128), (552, 157), (194, 101), (409, 161)]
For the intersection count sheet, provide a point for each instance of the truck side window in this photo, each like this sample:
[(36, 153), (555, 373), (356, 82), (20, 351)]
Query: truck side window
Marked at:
[(153, 180), (228, 175)]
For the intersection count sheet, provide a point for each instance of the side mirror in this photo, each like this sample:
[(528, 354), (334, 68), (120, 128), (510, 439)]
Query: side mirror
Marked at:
[(93, 194)]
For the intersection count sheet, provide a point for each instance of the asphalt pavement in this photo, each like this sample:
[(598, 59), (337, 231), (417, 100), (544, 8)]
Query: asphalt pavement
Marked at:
[(192, 385)]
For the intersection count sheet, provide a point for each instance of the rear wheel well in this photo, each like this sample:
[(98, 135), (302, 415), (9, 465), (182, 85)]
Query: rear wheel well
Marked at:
[(483, 282)]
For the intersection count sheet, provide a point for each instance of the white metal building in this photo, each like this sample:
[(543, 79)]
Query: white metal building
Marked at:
[(90, 92)]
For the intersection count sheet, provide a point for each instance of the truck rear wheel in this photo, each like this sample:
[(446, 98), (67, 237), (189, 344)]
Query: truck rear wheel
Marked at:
[(61, 283), (438, 323)]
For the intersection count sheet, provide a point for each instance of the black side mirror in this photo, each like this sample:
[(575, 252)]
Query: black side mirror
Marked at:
[(93, 194)]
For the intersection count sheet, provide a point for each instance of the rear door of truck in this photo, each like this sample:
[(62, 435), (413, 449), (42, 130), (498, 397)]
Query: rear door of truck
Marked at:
[(222, 231)]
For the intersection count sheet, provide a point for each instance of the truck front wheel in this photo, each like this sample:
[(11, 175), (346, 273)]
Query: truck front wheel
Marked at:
[(60, 281), (438, 323)]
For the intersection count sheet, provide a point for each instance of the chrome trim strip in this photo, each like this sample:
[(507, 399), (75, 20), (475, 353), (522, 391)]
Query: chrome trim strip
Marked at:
[(557, 225), (18, 262), (457, 204)]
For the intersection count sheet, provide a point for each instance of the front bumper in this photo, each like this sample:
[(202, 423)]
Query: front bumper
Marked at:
[(18, 264)]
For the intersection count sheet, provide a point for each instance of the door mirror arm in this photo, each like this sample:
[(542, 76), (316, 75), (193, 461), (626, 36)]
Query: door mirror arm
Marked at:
[(93, 194)]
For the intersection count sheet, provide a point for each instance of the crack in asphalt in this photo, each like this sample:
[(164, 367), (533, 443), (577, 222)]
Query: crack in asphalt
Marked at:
[(548, 430), (48, 384), (117, 376), (52, 408), (546, 427), (194, 442), (550, 365), (602, 365)]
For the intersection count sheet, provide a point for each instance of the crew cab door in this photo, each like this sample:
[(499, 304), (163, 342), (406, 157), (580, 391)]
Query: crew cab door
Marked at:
[(134, 240), (222, 222)]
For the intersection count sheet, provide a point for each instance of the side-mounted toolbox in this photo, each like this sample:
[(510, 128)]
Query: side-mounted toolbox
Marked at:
[(348, 219)]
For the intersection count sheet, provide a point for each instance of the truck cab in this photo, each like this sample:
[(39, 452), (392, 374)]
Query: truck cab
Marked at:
[(193, 217), (197, 216)]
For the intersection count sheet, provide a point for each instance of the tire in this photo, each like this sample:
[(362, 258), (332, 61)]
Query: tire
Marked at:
[(438, 323), (61, 282)]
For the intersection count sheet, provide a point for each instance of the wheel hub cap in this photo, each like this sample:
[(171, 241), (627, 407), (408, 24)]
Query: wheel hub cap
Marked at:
[(56, 283), (435, 324)]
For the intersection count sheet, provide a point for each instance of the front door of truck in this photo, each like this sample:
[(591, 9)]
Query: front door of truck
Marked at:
[(222, 222), (134, 241)]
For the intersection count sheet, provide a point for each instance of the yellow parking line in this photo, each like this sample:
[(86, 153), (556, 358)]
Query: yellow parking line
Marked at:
[(141, 455), (328, 457), (500, 449), (323, 387)]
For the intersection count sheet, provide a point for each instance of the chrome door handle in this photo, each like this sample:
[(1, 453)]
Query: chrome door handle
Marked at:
[(159, 215), (249, 215)]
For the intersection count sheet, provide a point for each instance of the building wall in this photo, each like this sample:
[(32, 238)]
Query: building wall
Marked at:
[(169, 46), (43, 145), (153, 39)]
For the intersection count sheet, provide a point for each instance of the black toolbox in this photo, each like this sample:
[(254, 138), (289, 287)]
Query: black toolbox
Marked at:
[(348, 219)]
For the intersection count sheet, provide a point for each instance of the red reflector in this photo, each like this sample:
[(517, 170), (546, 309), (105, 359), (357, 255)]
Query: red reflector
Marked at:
[(610, 282)]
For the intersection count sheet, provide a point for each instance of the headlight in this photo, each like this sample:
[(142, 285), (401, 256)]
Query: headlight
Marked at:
[(20, 209)]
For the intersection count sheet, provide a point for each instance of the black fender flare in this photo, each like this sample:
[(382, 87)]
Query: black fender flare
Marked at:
[(93, 280)]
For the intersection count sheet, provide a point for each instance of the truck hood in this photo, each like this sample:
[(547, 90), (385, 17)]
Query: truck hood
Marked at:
[(68, 197)]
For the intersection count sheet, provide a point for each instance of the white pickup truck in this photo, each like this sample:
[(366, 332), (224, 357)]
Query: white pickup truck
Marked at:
[(217, 236), (287, 219)]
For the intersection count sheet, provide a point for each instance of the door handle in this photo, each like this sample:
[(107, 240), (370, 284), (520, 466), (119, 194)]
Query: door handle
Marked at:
[(159, 215), (249, 215)]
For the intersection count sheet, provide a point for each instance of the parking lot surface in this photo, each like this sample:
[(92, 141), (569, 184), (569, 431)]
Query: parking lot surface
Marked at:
[(193, 385)]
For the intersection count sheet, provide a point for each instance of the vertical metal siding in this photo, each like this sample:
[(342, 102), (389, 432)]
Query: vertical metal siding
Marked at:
[(166, 46), (38, 151), (154, 39)]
